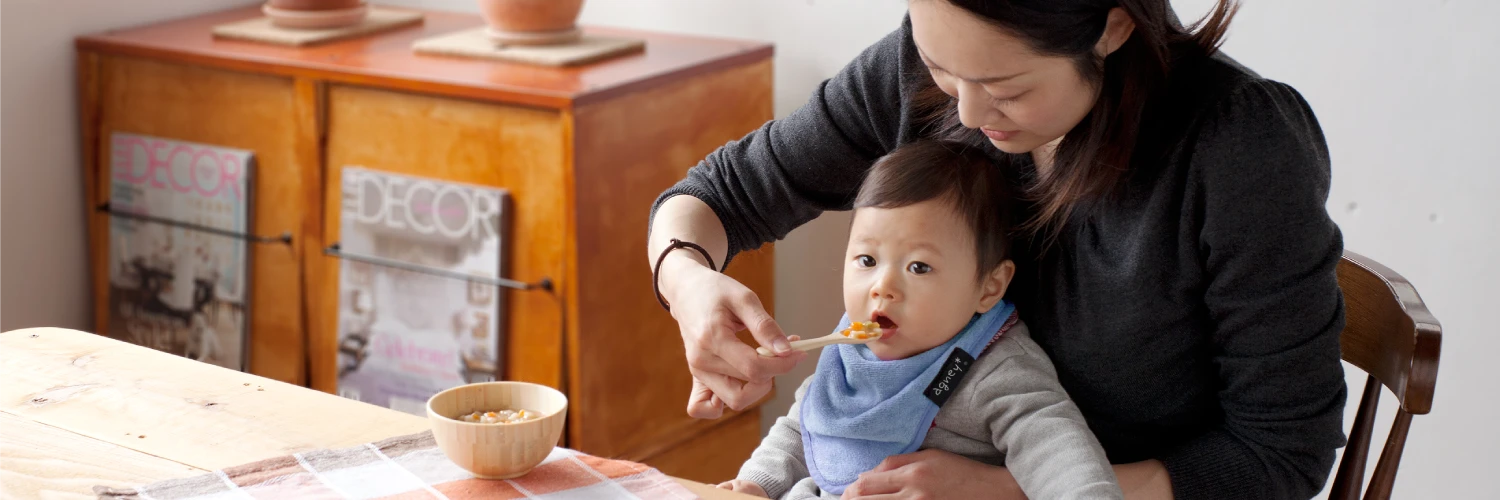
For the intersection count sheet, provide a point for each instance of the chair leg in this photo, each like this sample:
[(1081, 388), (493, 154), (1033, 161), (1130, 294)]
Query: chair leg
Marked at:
[(1390, 459), (1351, 476)]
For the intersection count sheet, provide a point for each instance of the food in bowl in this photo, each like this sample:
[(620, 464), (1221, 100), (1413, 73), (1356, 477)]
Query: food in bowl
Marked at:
[(501, 416)]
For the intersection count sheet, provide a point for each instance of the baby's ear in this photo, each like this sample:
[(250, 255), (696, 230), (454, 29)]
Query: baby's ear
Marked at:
[(994, 285)]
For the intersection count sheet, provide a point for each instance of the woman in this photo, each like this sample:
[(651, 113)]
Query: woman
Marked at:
[(1181, 270)]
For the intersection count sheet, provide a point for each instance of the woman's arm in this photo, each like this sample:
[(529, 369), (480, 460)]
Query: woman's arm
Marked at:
[(1146, 480), (1260, 179), (757, 189), (792, 169), (725, 371), (934, 473), (688, 219)]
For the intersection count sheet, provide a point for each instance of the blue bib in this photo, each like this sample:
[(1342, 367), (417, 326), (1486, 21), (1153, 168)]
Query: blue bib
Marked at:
[(858, 409)]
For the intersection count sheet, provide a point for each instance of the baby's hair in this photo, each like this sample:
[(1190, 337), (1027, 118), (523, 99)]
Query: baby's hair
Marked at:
[(973, 185)]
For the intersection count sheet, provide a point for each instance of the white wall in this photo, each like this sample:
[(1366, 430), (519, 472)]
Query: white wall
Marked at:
[(42, 258), (1404, 91)]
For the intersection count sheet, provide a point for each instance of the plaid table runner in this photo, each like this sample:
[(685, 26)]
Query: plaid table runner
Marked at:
[(409, 467)]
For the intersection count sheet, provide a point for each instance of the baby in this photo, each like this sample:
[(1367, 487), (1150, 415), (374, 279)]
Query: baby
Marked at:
[(953, 369)]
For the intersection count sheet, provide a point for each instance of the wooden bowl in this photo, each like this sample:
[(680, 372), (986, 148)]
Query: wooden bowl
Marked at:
[(316, 19), (497, 451)]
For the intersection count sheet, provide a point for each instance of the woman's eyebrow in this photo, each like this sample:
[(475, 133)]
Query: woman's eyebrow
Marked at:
[(982, 81)]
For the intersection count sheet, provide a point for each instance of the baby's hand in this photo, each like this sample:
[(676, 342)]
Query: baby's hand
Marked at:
[(742, 486)]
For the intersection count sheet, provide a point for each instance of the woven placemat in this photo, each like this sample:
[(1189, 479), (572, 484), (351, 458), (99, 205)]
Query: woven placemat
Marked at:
[(411, 466), (474, 43), (261, 30)]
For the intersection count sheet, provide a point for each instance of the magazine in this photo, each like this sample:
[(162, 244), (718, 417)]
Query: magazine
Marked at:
[(403, 334), (173, 288)]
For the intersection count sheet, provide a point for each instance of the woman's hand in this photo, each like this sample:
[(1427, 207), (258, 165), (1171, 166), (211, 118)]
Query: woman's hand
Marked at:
[(707, 404), (934, 474), (746, 487), (710, 308), (938, 474)]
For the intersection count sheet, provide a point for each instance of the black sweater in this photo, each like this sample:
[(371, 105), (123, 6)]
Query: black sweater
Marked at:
[(1194, 317)]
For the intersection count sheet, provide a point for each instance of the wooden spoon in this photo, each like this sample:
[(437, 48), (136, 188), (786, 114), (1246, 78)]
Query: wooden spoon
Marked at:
[(845, 336)]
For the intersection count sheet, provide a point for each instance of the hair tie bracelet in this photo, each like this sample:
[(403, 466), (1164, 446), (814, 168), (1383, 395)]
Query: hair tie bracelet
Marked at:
[(656, 271)]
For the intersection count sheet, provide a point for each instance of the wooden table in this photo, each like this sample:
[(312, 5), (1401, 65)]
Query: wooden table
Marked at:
[(78, 410)]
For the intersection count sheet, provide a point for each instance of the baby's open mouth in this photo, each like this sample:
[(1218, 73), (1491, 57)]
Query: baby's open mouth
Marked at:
[(884, 321)]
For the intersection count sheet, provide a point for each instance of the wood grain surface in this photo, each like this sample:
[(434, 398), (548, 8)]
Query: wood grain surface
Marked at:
[(83, 410), (387, 60), (42, 461)]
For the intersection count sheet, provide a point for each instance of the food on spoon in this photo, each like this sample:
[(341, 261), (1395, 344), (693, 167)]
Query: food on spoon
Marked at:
[(867, 330), (501, 416), (862, 330)]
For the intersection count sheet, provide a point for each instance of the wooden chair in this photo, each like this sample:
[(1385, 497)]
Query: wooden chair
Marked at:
[(1390, 334)]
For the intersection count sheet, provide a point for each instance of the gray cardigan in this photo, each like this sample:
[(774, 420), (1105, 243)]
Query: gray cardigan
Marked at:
[(1193, 317), (1010, 410)]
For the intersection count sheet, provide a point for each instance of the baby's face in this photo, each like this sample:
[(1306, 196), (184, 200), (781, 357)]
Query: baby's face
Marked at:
[(913, 270)]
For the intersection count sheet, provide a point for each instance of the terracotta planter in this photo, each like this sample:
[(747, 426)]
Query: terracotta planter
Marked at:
[(314, 4), (530, 16)]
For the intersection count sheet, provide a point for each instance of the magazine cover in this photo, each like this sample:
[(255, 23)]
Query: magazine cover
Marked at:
[(405, 335), (178, 289)]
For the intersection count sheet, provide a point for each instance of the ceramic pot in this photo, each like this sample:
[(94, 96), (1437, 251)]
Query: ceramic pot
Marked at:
[(313, 4), (530, 16)]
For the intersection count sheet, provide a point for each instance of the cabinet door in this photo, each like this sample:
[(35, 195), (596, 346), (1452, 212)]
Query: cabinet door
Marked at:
[(519, 149), (239, 110), (629, 379)]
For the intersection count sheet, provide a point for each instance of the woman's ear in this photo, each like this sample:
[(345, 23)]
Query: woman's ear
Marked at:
[(1117, 30), (994, 286)]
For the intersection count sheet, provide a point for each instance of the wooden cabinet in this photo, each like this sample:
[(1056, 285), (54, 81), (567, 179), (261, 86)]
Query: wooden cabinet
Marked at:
[(582, 150)]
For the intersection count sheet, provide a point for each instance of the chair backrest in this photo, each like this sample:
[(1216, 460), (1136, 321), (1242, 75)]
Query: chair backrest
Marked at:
[(1390, 334)]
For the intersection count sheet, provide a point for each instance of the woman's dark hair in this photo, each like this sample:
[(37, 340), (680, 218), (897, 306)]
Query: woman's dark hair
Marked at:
[(1094, 156), (957, 173)]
